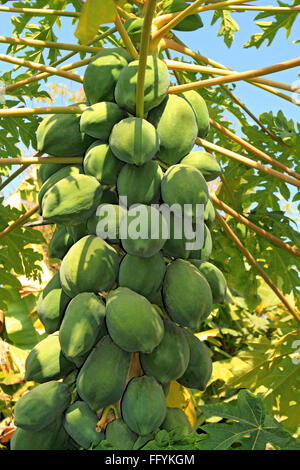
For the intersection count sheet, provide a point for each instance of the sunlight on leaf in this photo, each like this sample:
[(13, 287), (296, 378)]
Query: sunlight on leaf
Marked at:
[(94, 13)]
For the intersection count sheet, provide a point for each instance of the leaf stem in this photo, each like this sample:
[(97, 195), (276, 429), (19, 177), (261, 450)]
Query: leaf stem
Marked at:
[(49, 44), (40, 11), (126, 39), (14, 175), (254, 263), (19, 222), (144, 49), (42, 110), (39, 160)]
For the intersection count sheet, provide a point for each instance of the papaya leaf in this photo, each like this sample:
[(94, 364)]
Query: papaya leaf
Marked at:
[(94, 13), (228, 25), (248, 426)]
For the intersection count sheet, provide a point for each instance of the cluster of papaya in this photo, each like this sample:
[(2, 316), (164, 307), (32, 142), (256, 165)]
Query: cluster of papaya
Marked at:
[(118, 302)]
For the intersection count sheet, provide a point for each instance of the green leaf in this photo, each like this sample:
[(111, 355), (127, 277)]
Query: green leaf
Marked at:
[(94, 13), (247, 425), (228, 25)]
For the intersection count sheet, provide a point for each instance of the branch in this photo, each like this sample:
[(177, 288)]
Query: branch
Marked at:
[(14, 175), (237, 76), (42, 110), (144, 49), (39, 160), (254, 263), (49, 44), (126, 39), (247, 161), (38, 223), (263, 8), (253, 149), (221, 205), (41, 67), (40, 12), (19, 222)]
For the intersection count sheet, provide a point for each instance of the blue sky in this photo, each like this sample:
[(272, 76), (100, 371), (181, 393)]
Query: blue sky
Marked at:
[(207, 43)]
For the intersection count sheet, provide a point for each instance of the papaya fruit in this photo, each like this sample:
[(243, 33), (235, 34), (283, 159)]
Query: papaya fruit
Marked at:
[(132, 322), (109, 196), (72, 200), (47, 169), (41, 405), (157, 82), (51, 437), (100, 162), (177, 128), (80, 422), (134, 140), (119, 435), (215, 279), (176, 418), (184, 185), (60, 243), (99, 119), (143, 405), (169, 360), (144, 231), (69, 170), (77, 231), (91, 265), (102, 73), (134, 28), (102, 378), (209, 214), (199, 106), (52, 304), (80, 326), (46, 361), (204, 162), (59, 135), (141, 185), (199, 369), (142, 275), (106, 222), (176, 244), (187, 295), (204, 253), (190, 23)]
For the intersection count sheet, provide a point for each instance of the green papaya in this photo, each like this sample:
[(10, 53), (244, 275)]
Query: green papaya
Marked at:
[(60, 243), (102, 73), (143, 405), (46, 361), (190, 23), (176, 418), (187, 295), (132, 322), (47, 169), (157, 82), (41, 405), (80, 422), (52, 304), (59, 135), (141, 185), (72, 199), (119, 435), (80, 326), (177, 128), (204, 162), (69, 170), (51, 437), (109, 196), (199, 368), (215, 279), (204, 253), (106, 222), (175, 245), (134, 28), (209, 214), (100, 162), (142, 275), (144, 231), (90, 265), (184, 185), (201, 111), (99, 119), (78, 231), (102, 378), (169, 360), (134, 140)]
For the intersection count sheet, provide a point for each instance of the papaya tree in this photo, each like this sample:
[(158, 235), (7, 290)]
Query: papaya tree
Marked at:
[(149, 246)]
